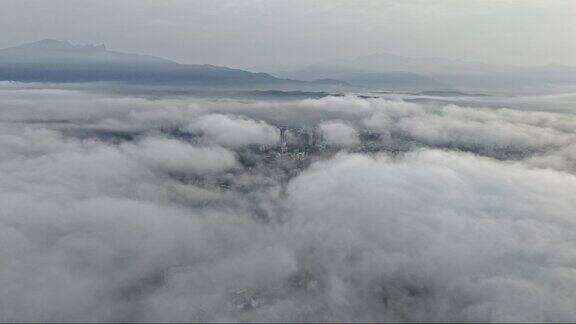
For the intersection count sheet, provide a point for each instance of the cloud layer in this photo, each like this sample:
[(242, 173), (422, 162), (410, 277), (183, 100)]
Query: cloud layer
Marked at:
[(234, 131), (124, 209), (338, 133)]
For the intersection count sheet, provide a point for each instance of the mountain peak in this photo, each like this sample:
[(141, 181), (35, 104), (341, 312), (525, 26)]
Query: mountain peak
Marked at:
[(48, 42), (60, 45), (381, 55)]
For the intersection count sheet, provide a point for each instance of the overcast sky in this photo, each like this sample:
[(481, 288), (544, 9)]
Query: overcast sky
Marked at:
[(270, 34)]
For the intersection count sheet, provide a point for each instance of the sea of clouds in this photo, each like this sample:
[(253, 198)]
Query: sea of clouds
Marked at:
[(119, 208)]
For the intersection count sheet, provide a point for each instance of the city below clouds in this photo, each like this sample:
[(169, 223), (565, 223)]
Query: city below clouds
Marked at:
[(343, 208)]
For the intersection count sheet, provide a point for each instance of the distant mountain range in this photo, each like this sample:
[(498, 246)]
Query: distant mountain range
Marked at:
[(51, 60), (57, 61), (382, 69)]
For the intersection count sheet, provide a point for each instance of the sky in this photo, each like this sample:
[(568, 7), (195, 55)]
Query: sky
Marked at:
[(277, 34)]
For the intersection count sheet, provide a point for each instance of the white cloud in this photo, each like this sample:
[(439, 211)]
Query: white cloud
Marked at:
[(180, 157), (339, 133), (444, 130), (438, 236), (235, 131)]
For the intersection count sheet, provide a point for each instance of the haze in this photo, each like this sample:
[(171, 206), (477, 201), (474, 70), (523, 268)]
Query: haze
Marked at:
[(278, 35)]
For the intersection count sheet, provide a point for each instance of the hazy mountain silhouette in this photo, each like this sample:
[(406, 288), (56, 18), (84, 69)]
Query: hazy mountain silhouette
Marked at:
[(396, 81), (51, 60), (60, 61), (440, 73)]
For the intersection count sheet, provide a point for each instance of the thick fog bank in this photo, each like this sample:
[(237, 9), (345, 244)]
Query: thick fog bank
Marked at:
[(344, 208)]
